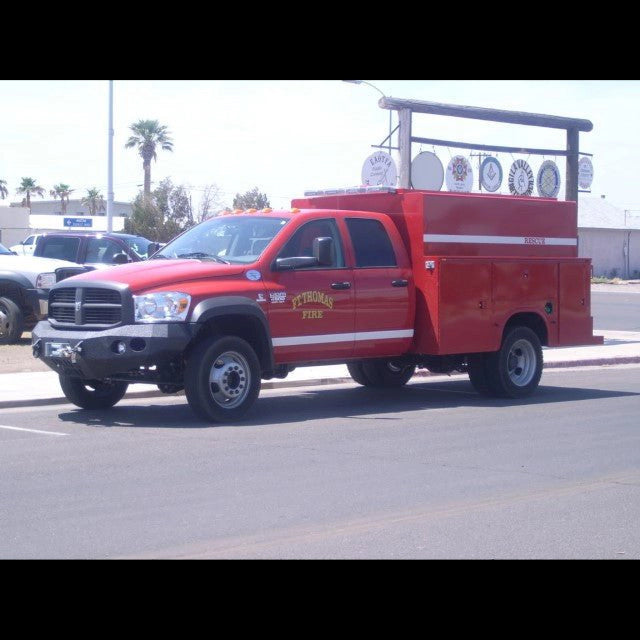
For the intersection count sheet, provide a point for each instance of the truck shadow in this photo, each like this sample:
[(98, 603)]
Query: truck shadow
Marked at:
[(302, 405)]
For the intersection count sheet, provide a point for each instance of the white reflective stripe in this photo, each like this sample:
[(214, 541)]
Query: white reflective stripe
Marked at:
[(293, 340), (528, 240), (342, 337), (384, 335)]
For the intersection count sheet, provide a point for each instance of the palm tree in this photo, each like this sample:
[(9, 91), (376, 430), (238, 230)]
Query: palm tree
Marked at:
[(94, 201), (4, 192), (62, 191), (29, 186), (148, 135)]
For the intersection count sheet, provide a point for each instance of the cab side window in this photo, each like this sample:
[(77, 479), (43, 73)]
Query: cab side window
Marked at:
[(61, 248), (301, 243), (102, 250), (371, 243)]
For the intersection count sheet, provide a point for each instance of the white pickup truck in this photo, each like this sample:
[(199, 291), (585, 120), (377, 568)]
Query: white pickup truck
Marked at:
[(27, 246), (24, 289)]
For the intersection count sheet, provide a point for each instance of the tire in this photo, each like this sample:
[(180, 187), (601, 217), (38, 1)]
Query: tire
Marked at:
[(222, 379), (387, 373), (515, 370), (357, 373), (478, 374), (11, 321), (92, 394)]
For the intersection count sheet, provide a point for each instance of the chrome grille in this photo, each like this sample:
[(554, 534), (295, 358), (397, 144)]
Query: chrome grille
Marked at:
[(101, 296), (81, 306), (63, 295)]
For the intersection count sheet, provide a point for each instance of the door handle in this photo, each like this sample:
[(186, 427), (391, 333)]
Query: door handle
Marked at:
[(341, 285), (399, 283)]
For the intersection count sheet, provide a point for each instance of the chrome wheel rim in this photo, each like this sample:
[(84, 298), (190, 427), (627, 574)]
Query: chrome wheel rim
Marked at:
[(521, 363), (229, 379)]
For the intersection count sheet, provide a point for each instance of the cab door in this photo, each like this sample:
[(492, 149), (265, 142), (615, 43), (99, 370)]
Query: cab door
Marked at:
[(311, 308), (384, 304)]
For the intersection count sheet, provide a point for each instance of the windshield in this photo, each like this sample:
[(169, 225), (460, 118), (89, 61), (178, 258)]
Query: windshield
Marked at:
[(227, 239), (4, 250), (140, 246)]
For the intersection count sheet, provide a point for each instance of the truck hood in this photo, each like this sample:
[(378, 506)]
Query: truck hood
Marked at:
[(30, 266), (151, 274)]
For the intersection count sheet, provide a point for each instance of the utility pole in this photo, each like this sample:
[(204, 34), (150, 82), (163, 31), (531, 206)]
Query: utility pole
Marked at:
[(110, 163)]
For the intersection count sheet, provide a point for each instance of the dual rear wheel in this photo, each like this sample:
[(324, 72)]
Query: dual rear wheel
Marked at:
[(512, 372)]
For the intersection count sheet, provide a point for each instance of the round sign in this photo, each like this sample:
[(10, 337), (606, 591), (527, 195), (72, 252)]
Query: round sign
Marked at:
[(427, 172), (253, 275), (379, 169), (459, 175), (490, 174), (548, 179), (521, 179), (585, 173)]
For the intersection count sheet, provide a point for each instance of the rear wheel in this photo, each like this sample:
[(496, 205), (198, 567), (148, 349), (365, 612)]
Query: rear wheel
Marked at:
[(92, 394), (515, 370), (11, 321), (477, 370), (222, 379), (387, 373)]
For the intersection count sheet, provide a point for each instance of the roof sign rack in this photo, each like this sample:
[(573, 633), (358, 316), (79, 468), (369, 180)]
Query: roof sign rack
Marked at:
[(351, 190)]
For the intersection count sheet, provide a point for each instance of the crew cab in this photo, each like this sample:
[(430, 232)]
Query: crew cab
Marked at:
[(385, 280)]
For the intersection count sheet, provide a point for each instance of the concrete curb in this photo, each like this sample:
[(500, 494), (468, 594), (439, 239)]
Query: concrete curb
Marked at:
[(313, 382)]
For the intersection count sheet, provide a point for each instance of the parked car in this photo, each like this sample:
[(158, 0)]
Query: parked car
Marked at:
[(94, 249), (27, 246), (24, 289)]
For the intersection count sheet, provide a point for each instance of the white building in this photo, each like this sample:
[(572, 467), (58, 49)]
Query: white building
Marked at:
[(14, 225), (610, 236), (74, 207)]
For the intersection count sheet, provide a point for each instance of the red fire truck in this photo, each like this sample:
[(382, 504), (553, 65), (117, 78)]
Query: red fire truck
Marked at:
[(384, 280)]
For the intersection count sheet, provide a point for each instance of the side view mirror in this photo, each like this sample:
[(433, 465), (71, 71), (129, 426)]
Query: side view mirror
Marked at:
[(323, 251), (295, 262), (120, 258), (152, 248)]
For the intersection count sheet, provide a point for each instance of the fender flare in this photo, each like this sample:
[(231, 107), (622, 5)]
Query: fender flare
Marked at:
[(16, 281), (213, 308)]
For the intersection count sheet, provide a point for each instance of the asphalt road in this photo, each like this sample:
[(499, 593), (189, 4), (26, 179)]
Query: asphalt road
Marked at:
[(429, 471)]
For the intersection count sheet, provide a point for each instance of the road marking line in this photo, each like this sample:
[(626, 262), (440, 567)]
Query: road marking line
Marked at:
[(49, 433)]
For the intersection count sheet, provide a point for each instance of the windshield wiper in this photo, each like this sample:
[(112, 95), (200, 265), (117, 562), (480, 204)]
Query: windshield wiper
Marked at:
[(158, 256), (200, 254)]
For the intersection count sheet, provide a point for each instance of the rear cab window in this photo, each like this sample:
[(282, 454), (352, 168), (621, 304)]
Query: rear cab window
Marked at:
[(371, 243)]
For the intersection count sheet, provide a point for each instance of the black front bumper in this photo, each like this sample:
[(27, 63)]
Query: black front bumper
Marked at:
[(93, 355)]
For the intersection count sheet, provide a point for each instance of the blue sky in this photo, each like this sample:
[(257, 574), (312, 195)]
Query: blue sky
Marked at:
[(289, 136)]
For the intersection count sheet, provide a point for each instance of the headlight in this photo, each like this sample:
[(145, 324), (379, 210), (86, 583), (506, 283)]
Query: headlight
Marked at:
[(45, 280), (164, 306)]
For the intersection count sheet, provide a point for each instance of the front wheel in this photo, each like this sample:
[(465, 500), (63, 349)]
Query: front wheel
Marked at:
[(92, 394), (222, 379)]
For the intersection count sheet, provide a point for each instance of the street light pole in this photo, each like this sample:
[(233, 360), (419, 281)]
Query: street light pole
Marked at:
[(383, 95), (110, 163)]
